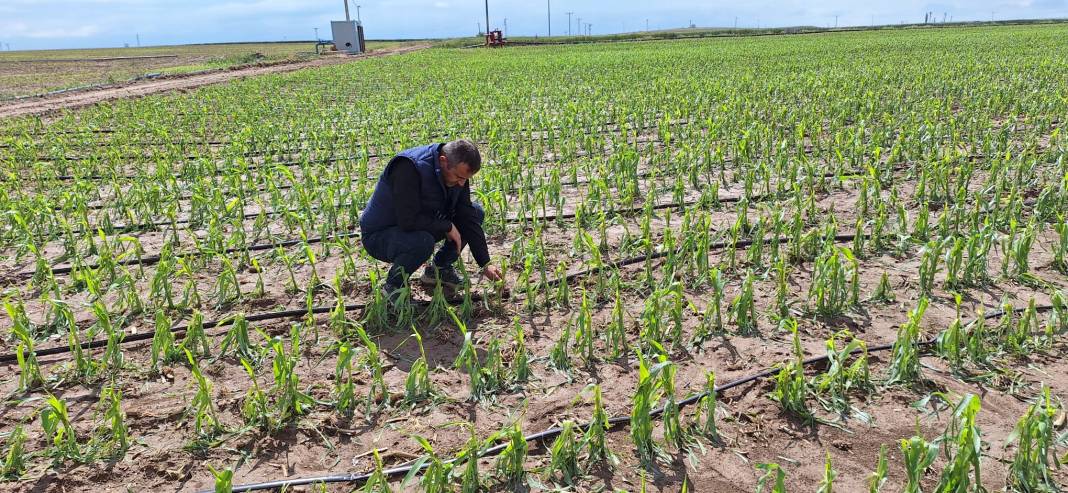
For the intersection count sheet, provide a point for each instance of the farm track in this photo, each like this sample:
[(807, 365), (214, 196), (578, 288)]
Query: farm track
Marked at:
[(67, 101)]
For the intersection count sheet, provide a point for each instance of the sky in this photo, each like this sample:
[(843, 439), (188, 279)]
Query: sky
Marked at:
[(35, 24)]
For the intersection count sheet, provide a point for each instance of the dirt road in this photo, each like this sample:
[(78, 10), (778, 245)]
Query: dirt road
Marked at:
[(46, 104)]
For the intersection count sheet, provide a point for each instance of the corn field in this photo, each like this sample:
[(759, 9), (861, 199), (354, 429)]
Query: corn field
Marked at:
[(829, 262)]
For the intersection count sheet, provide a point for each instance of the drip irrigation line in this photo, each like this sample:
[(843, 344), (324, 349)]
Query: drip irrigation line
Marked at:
[(298, 162), (604, 129), (531, 186), (550, 433), (283, 314)]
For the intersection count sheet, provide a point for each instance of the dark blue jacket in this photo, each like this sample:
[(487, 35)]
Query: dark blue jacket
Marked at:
[(436, 200)]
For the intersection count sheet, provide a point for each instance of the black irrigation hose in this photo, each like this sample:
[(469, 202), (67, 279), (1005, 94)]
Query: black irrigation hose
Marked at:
[(260, 189), (255, 166), (550, 433), (259, 317)]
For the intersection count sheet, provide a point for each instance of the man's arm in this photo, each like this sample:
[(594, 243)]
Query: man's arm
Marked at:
[(468, 221), (404, 183)]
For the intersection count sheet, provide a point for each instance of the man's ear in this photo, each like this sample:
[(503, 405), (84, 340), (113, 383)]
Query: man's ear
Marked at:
[(443, 162)]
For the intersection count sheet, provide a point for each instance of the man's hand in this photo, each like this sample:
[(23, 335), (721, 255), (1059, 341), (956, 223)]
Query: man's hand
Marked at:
[(492, 272), (454, 235)]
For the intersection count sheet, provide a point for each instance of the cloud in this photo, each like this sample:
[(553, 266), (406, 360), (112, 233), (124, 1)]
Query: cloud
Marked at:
[(24, 30)]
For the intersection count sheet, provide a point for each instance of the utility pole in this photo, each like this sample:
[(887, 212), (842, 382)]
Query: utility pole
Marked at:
[(646, 24), (358, 15), (836, 22), (487, 17), (549, 17), (578, 25), (317, 35), (479, 32), (506, 27), (736, 22), (138, 35), (347, 18), (569, 23)]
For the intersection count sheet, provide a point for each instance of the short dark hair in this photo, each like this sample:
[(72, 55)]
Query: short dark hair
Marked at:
[(463, 151)]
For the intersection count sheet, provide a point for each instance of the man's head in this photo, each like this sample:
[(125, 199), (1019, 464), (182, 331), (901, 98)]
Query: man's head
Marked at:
[(459, 161)]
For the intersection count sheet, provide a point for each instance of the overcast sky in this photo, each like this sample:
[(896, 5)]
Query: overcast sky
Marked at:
[(33, 24)]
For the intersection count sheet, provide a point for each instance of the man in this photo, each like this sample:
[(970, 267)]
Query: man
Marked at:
[(422, 197)]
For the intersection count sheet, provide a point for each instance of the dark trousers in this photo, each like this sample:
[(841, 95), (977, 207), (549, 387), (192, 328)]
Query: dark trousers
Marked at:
[(407, 250)]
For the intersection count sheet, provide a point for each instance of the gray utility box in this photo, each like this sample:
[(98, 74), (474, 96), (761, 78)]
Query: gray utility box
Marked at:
[(345, 37)]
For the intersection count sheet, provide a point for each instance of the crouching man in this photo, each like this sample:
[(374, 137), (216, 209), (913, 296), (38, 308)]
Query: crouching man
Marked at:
[(424, 197)]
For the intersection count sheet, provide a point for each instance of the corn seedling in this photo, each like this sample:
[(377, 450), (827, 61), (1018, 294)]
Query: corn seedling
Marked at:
[(117, 435), (791, 389), (841, 377), (344, 388), (255, 409), (774, 478), (14, 464), (564, 455), (952, 342), (29, 369), (560, 355), (164, 349), (834, 281), (1035, 437), (521, 359), (877, 478), (1060, 250), (224, 480), (377, 391), (883, 292), (435, 472), (918, 455), (237, 339), (706, 410), (595, 437), (674, 433), (205, 422), (964, 449), (467, 359), (196, 340), (829, 475), (417, 385), (377, 482), (645, 397), (905, 355), (743, 308), (112, 358), (511, 461), (58, 428), (929, 256), (470, 479)]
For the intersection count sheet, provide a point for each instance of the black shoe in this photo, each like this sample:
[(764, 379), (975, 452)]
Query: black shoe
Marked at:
[(450, 280), (390, 292)]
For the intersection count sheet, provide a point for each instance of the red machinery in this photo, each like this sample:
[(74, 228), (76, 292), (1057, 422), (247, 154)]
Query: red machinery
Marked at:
[(495, 38)]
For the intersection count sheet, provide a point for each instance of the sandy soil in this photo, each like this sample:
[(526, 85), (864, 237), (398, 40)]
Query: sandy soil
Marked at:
[(45, 105)]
